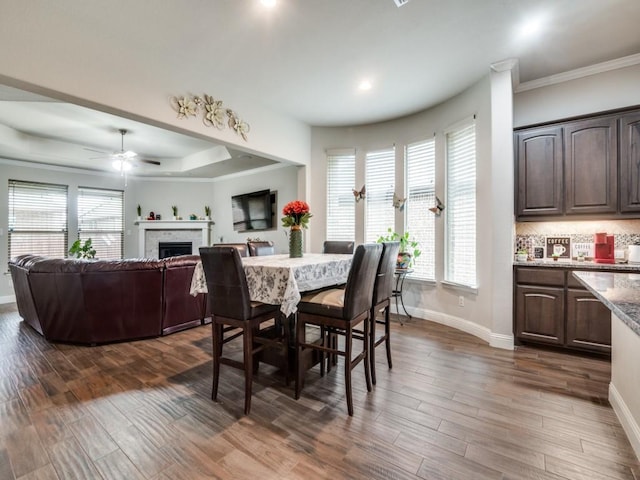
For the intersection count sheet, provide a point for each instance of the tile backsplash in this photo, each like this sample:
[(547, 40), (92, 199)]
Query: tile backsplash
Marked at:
[(532, 234)]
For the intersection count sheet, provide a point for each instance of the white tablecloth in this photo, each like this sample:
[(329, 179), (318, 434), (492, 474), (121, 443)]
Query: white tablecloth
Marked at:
[(279, 280)]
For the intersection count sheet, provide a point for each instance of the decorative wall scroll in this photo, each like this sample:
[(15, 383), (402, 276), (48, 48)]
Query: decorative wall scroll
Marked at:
[(213, 113)]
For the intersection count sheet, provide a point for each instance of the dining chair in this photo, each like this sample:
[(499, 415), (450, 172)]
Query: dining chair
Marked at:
[(382, 292), (233, 310), (242, 248), (261, 248), (337, 311), (334, 246)]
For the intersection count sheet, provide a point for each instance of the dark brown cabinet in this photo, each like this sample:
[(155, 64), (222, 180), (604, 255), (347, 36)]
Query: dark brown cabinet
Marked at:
[(591, 166), (585, 168), (540, 182), (553, 308), (588, 322), (540, 314), (630, 163)]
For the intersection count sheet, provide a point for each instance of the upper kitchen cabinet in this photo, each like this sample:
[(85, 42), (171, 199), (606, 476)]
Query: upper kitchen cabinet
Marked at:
[(630, 163), (587, 168), (591, 166), (540, 183)]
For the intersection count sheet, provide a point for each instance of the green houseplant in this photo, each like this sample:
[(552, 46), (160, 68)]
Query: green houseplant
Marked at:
[(139, 210), (409, 250), (174, 209), (207, 212), (83, 250)]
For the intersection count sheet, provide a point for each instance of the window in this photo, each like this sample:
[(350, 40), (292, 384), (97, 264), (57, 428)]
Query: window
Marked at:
[(421, 171), (101, 218), (380, 182), (37, 219), (341, 208), (460, 211)]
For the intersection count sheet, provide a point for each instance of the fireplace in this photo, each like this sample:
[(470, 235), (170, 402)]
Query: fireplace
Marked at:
[(174, 249)]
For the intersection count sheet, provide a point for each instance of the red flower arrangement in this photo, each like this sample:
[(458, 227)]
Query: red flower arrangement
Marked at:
[(296, 213)]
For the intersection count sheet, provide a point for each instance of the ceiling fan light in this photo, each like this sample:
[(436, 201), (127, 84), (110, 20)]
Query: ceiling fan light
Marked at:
[(121, 165)]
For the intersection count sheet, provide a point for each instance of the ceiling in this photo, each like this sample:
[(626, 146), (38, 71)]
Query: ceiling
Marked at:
[(302, 59)]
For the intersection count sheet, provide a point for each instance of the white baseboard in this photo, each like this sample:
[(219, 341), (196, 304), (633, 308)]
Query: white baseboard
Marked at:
[(629, 424), (496, 340), (8, 299)]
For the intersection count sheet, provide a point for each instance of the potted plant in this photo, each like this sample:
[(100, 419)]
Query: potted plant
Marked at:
[(139, 210), (174, 209), (409, 250), (522, 255), (83, 250), (207, 212)]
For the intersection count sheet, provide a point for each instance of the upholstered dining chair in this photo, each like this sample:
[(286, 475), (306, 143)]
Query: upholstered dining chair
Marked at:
[(382, 291), (261, 248), (337, 311), (334, 246), (242, 248), (232, 309)]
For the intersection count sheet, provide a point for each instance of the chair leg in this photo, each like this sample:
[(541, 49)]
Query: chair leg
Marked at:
[(348, 341), (325, 343), (372, 344), (387, 330), (216, 331), (300, 338), (247, 338), (365, 347)]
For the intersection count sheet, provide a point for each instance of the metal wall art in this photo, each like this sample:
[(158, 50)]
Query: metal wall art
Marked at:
[(213, 113)]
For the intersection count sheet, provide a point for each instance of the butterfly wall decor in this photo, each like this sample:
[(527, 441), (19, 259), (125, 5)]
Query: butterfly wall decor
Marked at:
[(359, 194), (438, 208), (398, 202)]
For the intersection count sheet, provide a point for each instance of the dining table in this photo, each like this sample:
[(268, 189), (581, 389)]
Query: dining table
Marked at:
[(281, 280)]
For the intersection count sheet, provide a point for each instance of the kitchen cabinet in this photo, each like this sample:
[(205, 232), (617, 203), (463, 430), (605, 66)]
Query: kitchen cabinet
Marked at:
[(588, 322), (552, 308), (540, 164), (540, 314), (591, 166), (630, 163), (585, 168)]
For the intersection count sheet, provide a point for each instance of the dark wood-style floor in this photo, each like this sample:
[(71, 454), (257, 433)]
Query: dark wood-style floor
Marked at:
[(451, 408)]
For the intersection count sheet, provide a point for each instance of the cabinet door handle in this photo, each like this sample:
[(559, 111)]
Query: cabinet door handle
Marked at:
[(543, 295)]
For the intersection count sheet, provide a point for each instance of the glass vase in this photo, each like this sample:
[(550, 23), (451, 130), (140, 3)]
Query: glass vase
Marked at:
[(295, 242)]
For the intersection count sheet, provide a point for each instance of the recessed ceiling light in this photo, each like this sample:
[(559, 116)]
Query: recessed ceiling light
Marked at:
[(532, 27), (365, 85), (268, 3)]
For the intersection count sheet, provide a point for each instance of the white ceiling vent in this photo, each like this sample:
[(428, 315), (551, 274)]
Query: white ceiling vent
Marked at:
[(400, 3)]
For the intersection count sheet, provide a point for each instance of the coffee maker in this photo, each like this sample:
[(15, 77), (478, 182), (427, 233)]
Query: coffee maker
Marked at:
[(604, 248)]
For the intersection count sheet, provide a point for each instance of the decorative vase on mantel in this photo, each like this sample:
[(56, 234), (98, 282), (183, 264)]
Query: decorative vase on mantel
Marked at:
[(295, 241)]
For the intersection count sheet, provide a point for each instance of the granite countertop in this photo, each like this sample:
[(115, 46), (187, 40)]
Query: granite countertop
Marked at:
[(620, 292), (586, 265)]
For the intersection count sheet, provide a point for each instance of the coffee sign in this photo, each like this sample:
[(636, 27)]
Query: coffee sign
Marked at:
[(558, 246)]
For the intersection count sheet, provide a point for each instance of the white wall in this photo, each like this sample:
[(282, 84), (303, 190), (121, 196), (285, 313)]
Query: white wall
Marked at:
[(583, 96), (427, 300), (284, 180)]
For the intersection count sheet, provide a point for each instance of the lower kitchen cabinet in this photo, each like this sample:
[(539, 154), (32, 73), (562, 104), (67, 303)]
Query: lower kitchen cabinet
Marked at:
[(588, 322), (540, 314), (552, 308)]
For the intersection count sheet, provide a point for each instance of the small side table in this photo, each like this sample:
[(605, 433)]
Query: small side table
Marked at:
[(400, 274)]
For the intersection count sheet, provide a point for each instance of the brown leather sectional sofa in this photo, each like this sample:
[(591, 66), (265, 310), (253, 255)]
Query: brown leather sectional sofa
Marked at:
[(103, 301)]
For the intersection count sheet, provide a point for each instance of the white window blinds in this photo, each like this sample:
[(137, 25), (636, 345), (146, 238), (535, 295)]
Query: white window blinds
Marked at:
[(380, 185), (101, 218), (460, 208), (37, 219), (341, 209), (421, 171)]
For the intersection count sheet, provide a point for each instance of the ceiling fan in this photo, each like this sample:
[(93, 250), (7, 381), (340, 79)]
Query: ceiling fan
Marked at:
[(123, 160)]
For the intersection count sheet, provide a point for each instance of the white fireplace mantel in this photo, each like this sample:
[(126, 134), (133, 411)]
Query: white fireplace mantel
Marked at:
[(167, 225)]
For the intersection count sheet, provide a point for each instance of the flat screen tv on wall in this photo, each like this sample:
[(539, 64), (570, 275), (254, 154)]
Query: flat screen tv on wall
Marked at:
[(253, 211)]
